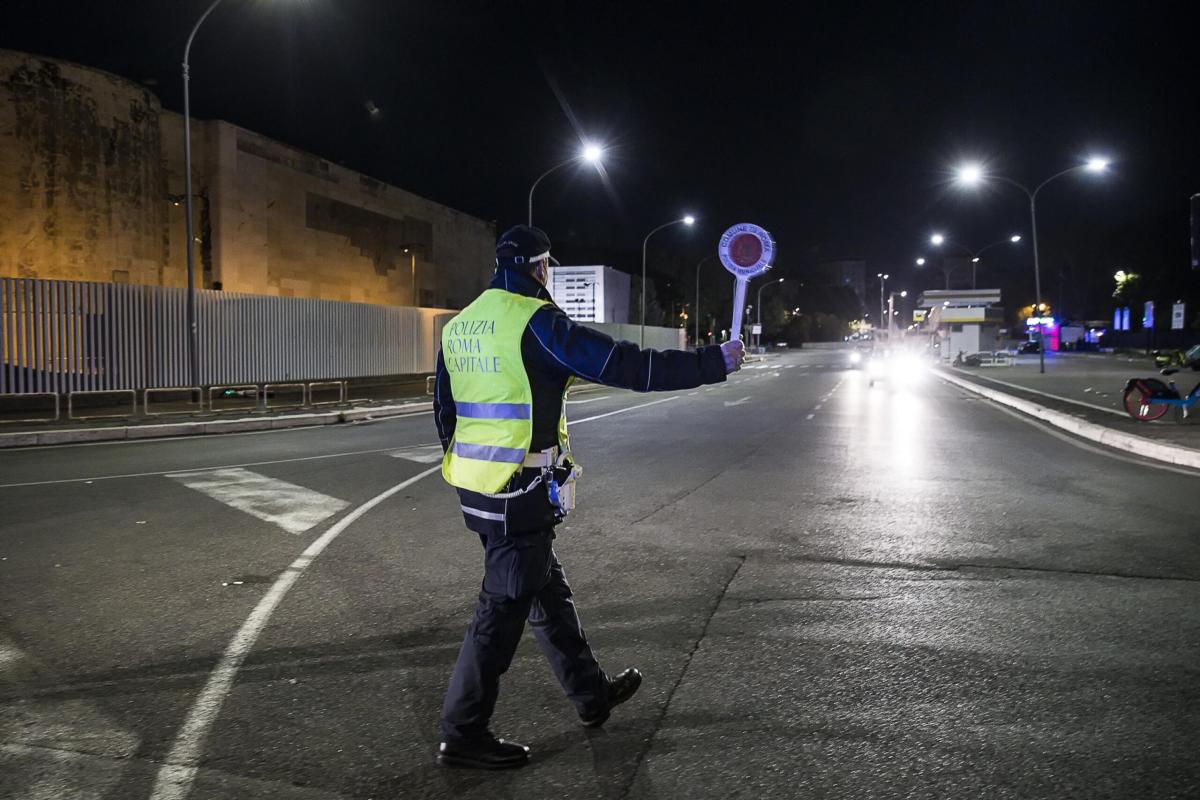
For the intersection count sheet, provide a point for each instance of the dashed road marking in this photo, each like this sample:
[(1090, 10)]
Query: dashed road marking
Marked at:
[(291, 507)]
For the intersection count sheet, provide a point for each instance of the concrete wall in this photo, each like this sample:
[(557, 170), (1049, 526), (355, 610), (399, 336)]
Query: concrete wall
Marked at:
[(657, 338), (287, 223), (91, 188), (82, 188)]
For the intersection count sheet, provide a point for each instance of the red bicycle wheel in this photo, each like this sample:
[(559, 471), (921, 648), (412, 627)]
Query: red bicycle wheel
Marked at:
[(1141, 405)]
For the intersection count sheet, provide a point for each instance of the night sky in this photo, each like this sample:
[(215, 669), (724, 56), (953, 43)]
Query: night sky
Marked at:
[(835, 126)]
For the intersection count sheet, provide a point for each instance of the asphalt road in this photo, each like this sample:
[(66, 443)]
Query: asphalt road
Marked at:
[(833, 590)]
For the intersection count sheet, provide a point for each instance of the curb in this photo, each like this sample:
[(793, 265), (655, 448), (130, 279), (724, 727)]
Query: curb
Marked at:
[(1092, 431), (207, 427)]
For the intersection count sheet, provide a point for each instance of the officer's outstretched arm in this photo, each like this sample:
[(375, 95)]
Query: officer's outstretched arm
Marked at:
[(569, 347), (444, 414)]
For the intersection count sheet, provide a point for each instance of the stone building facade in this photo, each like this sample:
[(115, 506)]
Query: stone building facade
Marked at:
[(91, 188)]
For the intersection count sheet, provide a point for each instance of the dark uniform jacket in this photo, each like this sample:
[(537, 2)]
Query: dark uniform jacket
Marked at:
[(555, 349)]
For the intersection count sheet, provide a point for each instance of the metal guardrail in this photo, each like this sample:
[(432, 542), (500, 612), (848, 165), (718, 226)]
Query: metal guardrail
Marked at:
[(341, 387), (999, 358), (93, 392), (268, 388), (213, 390), (28, 396), (196, 390)]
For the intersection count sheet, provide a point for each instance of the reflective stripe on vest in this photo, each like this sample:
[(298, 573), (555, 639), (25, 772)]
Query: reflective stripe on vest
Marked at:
[(481, 348), (493, 410)]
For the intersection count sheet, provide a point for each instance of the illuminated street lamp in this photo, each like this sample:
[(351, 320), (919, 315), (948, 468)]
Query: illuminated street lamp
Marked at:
[(688, 220), (590, 153), (972, 174), (921, 261)]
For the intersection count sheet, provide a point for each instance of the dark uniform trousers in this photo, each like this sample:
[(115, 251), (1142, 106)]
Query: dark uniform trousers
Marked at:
[(522, 580)]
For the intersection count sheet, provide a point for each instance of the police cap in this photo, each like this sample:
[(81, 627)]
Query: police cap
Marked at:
[(521, 245)]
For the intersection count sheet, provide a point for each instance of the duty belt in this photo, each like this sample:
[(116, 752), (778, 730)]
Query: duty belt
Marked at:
[(541, 459)]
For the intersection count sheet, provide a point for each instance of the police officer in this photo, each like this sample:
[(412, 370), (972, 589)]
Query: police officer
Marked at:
[(505, 365)]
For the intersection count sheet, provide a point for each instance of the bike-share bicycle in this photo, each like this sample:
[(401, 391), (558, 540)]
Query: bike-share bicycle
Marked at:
[(1148, 399)]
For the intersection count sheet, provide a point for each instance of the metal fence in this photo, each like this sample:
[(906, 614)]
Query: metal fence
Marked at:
[(69, 336)]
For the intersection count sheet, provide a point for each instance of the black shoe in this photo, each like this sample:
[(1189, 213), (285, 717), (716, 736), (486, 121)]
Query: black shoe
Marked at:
[(489, 753), (620, 689)]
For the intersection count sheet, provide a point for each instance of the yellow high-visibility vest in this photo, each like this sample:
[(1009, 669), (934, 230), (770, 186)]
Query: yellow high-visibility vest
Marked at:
[(493, 401)]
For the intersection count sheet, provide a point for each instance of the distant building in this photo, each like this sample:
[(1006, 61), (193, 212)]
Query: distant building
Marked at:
[(591, 293), (847, 273), (91, 189), (968, 321)]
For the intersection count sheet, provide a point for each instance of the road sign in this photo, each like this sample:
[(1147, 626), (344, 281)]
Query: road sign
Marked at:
[(747, 251), (1177, 316), (756, 329)]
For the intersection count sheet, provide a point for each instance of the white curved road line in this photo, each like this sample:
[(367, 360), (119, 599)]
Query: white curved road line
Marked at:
[(178, 772)]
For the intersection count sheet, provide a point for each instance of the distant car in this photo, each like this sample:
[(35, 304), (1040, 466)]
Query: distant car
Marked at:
[(1029, 347), (859, 356)]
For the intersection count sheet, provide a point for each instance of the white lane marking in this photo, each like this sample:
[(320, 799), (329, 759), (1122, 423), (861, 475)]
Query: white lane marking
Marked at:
[(9, 655), (788, 366), (1051, 396), (810, 416), (817, 407), (291, 507), (56, 747), (196, 469), (692, 394), (729, 403), (588, 400), (621, 411), (179, 770), (422, 454), (1057, 434)]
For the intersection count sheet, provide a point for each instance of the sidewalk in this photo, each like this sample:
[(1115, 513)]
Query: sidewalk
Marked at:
[(64, 431), (364, 405), (1082, 393)]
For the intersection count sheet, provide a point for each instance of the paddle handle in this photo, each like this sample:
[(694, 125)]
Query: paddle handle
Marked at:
[(739, 308)]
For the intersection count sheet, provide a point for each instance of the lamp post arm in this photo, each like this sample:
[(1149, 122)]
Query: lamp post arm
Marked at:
[(986, 247), (645, 242), (1033, 195), (188, 47), (557, 166), (961, 247)]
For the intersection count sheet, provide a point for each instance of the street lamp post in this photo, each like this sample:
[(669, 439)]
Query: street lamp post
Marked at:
[(192, 336), (698, 264), (938, 240), (972, 174), (882, 277), (892, 309), (687, 220), (591, 153), (758, 312)]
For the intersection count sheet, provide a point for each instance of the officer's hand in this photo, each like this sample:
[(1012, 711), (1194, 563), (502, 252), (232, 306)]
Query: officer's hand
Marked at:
[(734, 354)]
